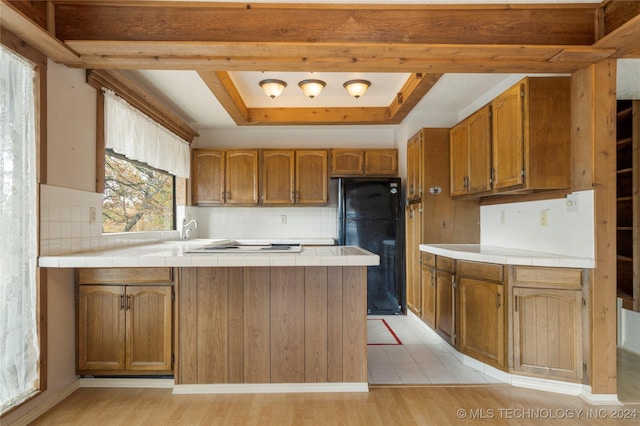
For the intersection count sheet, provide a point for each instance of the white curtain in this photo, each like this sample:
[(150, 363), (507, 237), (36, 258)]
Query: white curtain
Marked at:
[(134, 135), (18, 231)]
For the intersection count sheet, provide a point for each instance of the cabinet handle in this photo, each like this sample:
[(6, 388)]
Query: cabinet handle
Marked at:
[(228, 195), (121, 301), (433, 280), (497, 300), (128, 301), (516, 304)]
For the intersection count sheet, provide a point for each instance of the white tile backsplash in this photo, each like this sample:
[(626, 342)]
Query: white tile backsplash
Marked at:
[(65, 225), (569, 229), (264, 222)]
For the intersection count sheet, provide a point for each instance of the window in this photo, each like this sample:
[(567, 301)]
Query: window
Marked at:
[(137, 197), (142, 159), (19, 346)]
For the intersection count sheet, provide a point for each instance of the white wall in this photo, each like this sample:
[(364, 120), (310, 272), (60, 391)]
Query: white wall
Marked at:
[(71, 128), (628, 329), (569, 230)]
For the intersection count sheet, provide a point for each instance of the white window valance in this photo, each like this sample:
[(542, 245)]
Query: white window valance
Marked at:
[(131, 133)]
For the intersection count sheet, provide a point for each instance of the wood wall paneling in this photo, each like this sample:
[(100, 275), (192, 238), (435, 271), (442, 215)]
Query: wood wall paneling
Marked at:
[(287, 325), (335, 308), (316, 323), (354, 317), (257, 326)]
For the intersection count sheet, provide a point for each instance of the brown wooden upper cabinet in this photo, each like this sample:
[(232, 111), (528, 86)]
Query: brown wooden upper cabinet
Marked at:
[(294, 177), (364, 162), (529, 149), (470, 154), (224, 177)]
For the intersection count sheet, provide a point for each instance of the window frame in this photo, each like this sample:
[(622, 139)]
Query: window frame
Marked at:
[(39, 60)]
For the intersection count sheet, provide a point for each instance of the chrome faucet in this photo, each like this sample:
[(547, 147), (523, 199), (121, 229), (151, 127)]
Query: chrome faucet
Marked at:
[(186, 228)]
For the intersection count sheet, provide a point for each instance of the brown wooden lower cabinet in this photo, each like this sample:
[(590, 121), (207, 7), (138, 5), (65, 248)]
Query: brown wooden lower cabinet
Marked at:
[(482, 326), (428, 279), (547, 322), (124, 321), (124, 329), (271, 325), (445, 299)]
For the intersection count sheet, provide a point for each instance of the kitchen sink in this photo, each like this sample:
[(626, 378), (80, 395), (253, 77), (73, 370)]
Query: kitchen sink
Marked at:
[(231, 246)]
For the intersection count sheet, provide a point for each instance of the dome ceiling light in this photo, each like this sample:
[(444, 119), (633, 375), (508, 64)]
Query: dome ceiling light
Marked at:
[(312, 88), (272, 87), (357, 88)]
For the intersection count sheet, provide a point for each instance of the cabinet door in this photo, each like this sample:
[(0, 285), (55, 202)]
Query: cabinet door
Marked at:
[(445, 305), (508, 138), (347, 162), (101, 327), (413, 232), (459, 159), (381, 162), (414, 168), (277, 177), (207, 177), (242, 177), (312, 178), (547, 332), (148, 319), (479, 145), (481, 324), (428, 278)]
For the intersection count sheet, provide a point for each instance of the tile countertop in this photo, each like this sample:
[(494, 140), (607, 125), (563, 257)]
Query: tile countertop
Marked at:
[(173, 253), (506, 256)]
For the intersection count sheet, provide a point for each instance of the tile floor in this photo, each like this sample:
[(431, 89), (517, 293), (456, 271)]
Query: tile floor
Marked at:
[(423, 358)]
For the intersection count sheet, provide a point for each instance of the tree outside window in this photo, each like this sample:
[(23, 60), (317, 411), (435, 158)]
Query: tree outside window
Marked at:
[(137, 197)]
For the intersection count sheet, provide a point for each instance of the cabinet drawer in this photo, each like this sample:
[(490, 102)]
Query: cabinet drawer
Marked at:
[(444, 263), (483, 271), (123, 275), (531, 276), (428, 259)]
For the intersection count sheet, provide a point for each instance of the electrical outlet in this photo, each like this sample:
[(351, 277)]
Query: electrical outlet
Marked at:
[(283, 219), (544, 217), (502, 217), (92, 215)]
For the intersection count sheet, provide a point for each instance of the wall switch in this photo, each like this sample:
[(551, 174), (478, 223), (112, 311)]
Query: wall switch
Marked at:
[(544, 217), (92, 215)]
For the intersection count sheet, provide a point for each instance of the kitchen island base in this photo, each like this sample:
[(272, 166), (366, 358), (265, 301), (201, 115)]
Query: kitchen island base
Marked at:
[(300, 326)]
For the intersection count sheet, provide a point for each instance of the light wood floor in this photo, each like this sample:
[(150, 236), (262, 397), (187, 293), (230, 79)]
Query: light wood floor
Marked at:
[(430, 405), (628, 377)]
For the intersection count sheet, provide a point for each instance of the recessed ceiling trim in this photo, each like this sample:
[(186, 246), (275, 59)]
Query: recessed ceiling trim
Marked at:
[(221, 85)]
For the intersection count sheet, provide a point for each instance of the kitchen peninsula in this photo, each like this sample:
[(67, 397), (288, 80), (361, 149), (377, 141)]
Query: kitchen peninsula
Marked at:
[(253, 322)]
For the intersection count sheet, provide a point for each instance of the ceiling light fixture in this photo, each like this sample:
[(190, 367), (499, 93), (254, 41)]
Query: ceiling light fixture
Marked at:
[(272, 87), (312, 88), (356, 88)]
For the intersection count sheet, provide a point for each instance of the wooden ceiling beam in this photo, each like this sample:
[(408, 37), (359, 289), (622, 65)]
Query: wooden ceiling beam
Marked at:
[(318, 116), (222, 87), (624, 39), (290, 23), (21, 25), (415, 88)]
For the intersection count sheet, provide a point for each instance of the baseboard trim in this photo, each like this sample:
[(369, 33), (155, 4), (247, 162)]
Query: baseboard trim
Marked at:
[(599, 398), (536, 383), (270, 388), (111, 382), (48, 403)]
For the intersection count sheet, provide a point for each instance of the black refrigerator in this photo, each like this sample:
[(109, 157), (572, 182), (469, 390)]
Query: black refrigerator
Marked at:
[(370, 215)]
